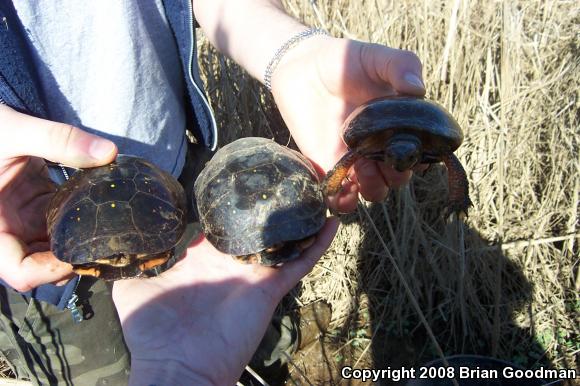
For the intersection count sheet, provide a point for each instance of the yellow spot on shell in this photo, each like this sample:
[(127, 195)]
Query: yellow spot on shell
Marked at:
[(78, 209), (113, 205), (112, 185), (264, 196), (78, 219)]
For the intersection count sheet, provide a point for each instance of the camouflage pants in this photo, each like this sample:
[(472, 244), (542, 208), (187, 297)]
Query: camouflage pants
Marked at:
[(44, 345)]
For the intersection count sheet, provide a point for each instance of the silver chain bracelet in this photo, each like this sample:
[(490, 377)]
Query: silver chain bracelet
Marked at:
[(294, 40)]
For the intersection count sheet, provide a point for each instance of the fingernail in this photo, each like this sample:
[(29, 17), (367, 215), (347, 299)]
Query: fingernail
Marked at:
[(101, 149), (414, 80)]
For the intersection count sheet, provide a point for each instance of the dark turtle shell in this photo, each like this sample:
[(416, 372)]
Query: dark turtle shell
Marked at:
[(368, 128), (112, 220), (402, 132), (255, 196)]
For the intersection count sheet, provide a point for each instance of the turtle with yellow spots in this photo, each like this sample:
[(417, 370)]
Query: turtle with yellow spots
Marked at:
[(117, 221)]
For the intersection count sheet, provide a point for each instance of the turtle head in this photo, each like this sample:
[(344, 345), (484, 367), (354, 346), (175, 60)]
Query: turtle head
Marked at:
[(403, 152)]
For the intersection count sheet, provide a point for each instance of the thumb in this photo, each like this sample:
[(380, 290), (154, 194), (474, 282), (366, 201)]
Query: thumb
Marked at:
[(399, 68), (22, 135)]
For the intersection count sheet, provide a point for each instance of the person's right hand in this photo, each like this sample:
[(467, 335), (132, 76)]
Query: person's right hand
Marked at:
[(26, 189), (199, 322)]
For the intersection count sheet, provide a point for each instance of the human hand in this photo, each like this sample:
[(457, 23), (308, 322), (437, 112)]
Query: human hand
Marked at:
[(26, 189), (320, 82), (201, 321)]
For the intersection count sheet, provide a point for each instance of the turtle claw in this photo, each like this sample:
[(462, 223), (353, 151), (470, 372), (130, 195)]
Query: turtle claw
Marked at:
[(459, 208)]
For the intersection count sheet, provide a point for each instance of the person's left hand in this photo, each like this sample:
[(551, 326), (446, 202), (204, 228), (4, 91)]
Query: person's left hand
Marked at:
[(201, 321), (316, 86)]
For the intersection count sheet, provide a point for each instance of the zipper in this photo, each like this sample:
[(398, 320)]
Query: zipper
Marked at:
[(10, 95), (192, 56), (71, 304), (2, 81)]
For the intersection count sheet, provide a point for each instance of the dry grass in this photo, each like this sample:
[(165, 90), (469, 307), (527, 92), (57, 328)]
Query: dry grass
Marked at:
[(505, 282)]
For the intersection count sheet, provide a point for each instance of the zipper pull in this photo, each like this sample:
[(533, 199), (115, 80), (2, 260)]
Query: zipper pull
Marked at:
[(74, 310)]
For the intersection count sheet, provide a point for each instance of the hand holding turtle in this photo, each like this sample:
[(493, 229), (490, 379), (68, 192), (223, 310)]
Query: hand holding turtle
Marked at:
[(320, 82), (25, 190), (201, 321)]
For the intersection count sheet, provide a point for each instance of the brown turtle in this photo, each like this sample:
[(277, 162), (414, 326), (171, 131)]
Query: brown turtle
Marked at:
[(403, 132), (117, 221)]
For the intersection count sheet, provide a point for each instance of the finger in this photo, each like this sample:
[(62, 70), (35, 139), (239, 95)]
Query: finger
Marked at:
[(290, 273), (22, 134), (23, 271), (400, 69), (346, 200), (372, 184), (26, 196), (394, 178)]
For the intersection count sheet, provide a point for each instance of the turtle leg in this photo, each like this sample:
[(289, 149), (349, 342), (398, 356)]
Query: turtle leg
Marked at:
[(254, 258), (87, 271), (278, 254), (459, 201), (155, 261), (333, 181)]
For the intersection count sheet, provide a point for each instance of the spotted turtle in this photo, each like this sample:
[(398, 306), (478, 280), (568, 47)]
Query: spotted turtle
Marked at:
[(259, 201), (403, 132), (117, 221)]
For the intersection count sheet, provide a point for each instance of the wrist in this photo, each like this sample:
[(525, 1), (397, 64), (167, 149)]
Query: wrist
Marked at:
[(165, 372), (287, 46), (304, 54), (248, 31)]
